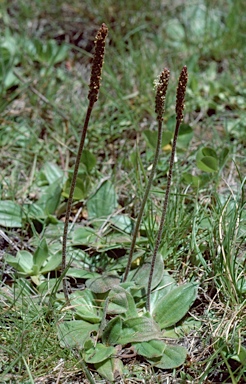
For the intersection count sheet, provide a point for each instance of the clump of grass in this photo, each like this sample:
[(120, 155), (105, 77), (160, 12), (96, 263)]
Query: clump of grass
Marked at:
[(95, 82), (181, 89)]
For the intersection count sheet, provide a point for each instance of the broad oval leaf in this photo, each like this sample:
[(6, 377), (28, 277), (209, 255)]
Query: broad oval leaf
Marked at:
[(74, 333), (10, 214), (174, 305), (166, 285), (98, 353), (103, 283), (85, 306), (103, 203), (141, 275), (112, 331), (120, 301), (139, 329), (53, 262), (111, 369), (88, 160), (84, 236), (51, 172), (208, 164), (150, 349), (173, 356)]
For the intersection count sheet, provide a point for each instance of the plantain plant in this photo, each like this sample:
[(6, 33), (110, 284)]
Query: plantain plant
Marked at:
[(113, 314)]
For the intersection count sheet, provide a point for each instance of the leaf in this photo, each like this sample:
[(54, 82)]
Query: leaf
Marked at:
[(121, 302), (84, 236), (112, 331), (103, 283), (103, 203), (123, 222), (207, 159), (41, 254), (74, 333), (208, 164), (50, 199), (53, 262), (139, 329), (174, 305), (151, 138), (10, 214), (88, 159), (166, 285), (195, 181), (98, 353), (34, 212), (85, 306), (185, 136), (82, 188), (81, 273), (111, 369), (150, 349), (141, 276), (51, 173), (173, 356), (23, 262)]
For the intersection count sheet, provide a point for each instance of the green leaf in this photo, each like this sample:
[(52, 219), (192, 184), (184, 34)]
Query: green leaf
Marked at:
[(123, 222), (10, 214), (208, 164), (151, 138), (185, 136), (41, 254), (150, 349), (82, 187), (85, 306), (84, 236), (88, 159), (112, 331), (98, 353), (51, 173), (121, 302), (111, 369), (195, 181), (50, 198), (34, 212), (82, 273), (103, 203), (103, 283), (166, 285), (141, 275), (207, 159), (74, 333), (174, 305), (173, 356), (23, 262), (53, 262), (139, 329)]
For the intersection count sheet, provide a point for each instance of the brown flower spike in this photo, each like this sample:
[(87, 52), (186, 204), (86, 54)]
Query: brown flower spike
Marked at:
[(161, 90), (97, 64), (183, 79)]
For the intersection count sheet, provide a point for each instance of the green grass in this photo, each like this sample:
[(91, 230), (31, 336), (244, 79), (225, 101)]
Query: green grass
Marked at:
[(42, 112)]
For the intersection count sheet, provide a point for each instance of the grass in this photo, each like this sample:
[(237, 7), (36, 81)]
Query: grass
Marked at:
[(41, 114)]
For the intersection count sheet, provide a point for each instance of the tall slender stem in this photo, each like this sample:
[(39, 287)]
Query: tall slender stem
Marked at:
[(179, 117), (71, 193), (160, 101), (94, 87)]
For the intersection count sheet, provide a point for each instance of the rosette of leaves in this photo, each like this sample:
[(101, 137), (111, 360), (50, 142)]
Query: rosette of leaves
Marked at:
[(110, 317)]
